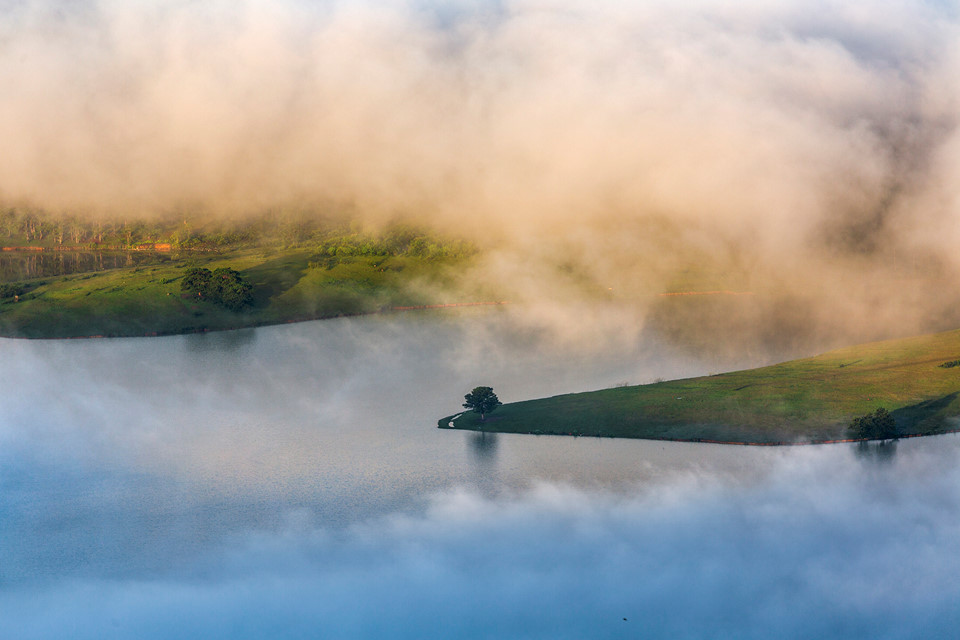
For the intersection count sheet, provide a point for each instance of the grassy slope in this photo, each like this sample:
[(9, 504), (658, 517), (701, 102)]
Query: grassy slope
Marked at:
[(802, 400), (147, 300)]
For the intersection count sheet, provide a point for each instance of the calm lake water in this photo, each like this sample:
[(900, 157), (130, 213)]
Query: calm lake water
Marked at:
[(290, 482), (25, 265)]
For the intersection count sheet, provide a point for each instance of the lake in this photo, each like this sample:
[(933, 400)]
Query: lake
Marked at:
[(290, 482), (26, 265)]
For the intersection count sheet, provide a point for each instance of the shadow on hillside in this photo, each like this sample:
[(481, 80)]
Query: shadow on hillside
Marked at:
[(275, 276), (908, 418)]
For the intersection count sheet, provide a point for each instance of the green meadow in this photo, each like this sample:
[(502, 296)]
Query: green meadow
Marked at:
[(125, 277), (807, 400)]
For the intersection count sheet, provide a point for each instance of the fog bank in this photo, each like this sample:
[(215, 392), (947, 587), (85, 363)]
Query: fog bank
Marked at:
[(805, 153)]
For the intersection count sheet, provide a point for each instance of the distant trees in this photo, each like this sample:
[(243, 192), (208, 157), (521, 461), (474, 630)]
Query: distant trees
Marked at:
[(397, 240), (332, 236), (481, 400), (223, 286), (878, 425)]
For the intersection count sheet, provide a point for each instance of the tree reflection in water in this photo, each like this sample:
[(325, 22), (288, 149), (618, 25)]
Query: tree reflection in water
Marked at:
[(484, 447), (882, 452)]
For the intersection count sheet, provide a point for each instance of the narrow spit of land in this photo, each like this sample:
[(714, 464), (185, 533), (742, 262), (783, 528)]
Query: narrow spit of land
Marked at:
[(805, 401)]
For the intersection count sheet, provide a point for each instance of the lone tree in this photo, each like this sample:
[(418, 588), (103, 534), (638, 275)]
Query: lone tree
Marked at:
[(878, 425), (481, 400)]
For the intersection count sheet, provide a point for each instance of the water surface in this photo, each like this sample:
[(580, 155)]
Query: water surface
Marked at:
[(290, 482), (27, 265)]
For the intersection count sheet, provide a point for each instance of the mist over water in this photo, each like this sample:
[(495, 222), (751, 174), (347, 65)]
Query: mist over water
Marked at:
[(290, 482)]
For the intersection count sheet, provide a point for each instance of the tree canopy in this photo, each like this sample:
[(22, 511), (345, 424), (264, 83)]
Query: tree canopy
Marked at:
[(879, 425), (481, 400), (224, 286)]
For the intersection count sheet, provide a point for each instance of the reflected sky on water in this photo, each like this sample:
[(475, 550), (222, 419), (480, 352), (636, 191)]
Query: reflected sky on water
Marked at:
[(27, 265)]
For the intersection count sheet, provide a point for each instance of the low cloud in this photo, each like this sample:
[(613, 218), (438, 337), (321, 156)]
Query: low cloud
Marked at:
[(804, 153)]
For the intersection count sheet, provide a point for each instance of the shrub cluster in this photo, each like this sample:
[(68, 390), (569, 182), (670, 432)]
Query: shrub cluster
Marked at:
[(9, 290), (223, 286), (949, 365), (878, 425), (396, 241)]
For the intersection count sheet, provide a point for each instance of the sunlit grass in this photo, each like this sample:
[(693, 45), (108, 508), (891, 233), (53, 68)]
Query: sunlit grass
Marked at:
[(147, 300), (812, 399)]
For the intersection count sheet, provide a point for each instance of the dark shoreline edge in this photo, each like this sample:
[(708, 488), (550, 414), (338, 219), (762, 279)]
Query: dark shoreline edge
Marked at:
[(255, 325), (740, 443), (804, 401)]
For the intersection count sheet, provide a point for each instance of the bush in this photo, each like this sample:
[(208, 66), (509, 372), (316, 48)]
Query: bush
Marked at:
[(231, 290), (396, 241), (10, 290), (196, 280), (223, 286)]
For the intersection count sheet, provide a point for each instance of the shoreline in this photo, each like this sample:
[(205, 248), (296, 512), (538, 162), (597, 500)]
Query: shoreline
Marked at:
[(736, 443), (806, 401), (256, 325)]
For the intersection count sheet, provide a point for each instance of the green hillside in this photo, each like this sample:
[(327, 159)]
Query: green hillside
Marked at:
[(808, 400), (286, 286)]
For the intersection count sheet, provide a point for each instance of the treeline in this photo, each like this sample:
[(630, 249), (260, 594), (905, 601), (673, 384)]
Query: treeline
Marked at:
[(35, 227), (330, 236)]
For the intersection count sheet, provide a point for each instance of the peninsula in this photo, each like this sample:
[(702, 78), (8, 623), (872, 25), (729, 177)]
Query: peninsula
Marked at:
[(811, 400)]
